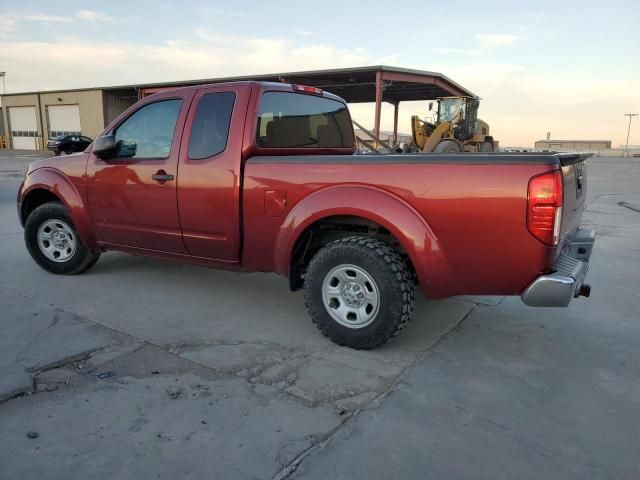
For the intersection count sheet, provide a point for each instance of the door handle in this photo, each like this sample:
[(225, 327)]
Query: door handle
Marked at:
[(161, 176)]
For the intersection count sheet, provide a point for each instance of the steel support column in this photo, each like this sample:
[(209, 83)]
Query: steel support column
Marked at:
[(376, 129), (396, 105)]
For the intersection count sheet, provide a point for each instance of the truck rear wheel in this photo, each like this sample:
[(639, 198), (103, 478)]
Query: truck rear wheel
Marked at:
[(53, 243), (359, 292)]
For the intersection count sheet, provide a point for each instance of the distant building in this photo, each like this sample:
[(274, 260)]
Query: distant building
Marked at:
[(31, 118), (576, 144)]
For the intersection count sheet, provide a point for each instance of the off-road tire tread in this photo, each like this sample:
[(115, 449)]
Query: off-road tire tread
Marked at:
[(388, 323)]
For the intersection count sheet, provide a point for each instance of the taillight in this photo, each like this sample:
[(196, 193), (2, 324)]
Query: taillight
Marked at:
[(544, 207), (307, 89)]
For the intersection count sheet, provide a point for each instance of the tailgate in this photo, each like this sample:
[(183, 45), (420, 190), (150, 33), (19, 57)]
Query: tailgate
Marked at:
[(574, 175)]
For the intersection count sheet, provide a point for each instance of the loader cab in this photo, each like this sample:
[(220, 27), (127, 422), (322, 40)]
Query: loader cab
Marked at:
[(462, 112)]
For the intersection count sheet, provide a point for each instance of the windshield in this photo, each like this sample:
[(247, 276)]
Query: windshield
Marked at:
[(450, 109)]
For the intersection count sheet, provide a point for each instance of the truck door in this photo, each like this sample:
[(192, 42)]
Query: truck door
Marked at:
[(210, 172), (132, 196)]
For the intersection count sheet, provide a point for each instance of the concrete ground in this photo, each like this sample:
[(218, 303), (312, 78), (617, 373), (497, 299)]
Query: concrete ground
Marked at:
[(146, 369)]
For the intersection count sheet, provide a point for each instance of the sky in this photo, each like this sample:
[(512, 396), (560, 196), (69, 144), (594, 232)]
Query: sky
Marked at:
[(571, 68)]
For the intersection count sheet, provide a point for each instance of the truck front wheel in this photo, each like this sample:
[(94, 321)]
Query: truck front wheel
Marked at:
[(359, 292), (53, 243), (447, 146), (485, 147)]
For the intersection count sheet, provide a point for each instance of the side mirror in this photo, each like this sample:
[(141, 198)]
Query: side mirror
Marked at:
[(104, 147), (430, 106)]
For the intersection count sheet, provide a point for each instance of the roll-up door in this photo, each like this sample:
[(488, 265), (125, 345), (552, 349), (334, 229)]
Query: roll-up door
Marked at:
[(23, 127), (63, 120)]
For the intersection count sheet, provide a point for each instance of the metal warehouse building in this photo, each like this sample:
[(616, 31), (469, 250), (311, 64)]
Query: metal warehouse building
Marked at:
[(30, 118), (574, 144)]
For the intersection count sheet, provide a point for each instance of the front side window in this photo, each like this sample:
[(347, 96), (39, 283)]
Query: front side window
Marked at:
[(148, 133), (210, 127), (293, 120), (451, 109)]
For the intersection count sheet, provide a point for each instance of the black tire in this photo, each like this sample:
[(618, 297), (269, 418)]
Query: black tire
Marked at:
[(447, 146), (81, 259), (68, 152), (485, 147), (392, 279)]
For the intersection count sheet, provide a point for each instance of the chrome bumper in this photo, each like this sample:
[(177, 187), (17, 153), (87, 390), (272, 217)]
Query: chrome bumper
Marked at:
[(567, 282)]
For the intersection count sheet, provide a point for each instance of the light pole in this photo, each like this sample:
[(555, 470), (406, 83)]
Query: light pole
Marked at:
[(4, 90), (626, 148)]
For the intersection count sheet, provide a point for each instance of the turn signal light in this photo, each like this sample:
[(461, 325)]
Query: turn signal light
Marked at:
[(544, 207)]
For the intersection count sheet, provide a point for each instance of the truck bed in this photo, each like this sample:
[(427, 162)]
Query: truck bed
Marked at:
[(474, 204)]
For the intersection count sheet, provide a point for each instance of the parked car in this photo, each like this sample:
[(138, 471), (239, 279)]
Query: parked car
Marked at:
[(68, 143), (256, 176)]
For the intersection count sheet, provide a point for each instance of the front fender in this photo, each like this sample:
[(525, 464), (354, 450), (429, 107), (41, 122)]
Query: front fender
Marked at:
[(401, 219), (58, 184)]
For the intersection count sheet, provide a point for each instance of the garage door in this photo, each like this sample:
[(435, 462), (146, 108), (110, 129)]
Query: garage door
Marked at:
[(24, 130), (63, 120)]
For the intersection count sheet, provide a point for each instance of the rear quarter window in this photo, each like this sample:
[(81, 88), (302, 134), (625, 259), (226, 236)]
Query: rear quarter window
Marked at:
[(294, 120), (210, 127)]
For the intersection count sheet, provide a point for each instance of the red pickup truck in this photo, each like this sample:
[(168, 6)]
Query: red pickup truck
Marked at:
[(259, 176)]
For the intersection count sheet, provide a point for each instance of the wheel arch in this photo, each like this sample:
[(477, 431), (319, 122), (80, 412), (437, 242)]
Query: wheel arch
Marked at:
[(49, 185), (365, 207)]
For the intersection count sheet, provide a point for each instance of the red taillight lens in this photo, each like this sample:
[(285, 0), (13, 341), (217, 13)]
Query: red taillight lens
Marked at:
[(544, 207), (307, 89)]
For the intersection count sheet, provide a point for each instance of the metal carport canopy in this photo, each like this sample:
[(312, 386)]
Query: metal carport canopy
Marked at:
[(358, 85), (379, 83)]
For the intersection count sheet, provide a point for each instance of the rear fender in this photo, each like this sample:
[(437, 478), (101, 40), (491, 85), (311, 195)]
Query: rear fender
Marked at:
[(401, 219), (58, 184)]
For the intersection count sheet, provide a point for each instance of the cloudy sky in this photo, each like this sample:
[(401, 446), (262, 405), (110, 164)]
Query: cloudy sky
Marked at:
[(568, 67)]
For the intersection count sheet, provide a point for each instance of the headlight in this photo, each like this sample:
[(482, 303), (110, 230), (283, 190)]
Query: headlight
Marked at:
[(56, 142)]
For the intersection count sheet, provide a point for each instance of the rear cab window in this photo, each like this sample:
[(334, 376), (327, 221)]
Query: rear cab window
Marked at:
[(295, 120)]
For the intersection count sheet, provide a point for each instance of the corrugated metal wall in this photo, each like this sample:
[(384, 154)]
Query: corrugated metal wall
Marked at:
[(2, 133), (116, 102)]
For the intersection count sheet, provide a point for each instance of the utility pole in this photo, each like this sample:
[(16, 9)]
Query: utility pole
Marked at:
[(626, 148)]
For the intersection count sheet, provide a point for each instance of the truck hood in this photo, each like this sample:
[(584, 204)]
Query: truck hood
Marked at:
[(62, 163)]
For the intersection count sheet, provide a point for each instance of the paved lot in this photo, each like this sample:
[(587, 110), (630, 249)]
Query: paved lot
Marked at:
[(146, 369)]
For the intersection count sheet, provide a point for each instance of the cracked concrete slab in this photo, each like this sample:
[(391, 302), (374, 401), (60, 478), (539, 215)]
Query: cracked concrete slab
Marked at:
[(36, 337), (502, 384), (122, 426), (328, 373)]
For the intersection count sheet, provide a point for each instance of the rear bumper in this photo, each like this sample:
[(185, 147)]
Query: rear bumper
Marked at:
[(567, 282)]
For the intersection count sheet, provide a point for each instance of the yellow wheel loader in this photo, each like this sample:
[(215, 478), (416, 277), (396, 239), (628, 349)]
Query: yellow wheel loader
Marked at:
[(457, 128)]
